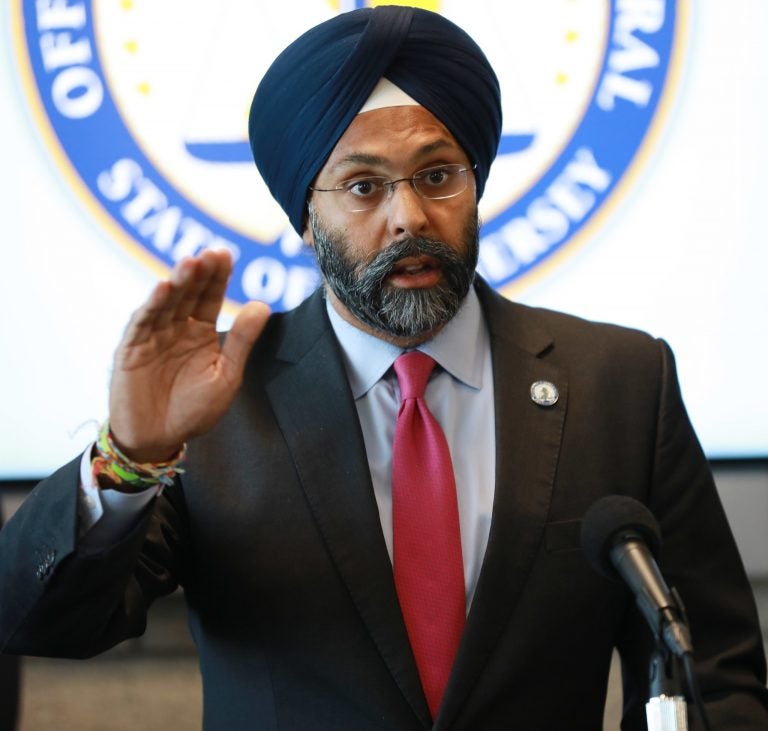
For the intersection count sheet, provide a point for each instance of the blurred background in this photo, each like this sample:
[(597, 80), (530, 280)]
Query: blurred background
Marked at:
[(630, 188)]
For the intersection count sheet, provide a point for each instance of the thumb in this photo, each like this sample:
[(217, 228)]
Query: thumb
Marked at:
[(245, 330)]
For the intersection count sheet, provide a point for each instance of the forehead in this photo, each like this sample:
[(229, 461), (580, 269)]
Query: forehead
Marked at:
[(393, 137)]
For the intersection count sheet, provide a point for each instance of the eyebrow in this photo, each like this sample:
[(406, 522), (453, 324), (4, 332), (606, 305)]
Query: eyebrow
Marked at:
[(363, 158)]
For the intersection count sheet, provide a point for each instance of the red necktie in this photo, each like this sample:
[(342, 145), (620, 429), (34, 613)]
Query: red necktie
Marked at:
[(429, 571)]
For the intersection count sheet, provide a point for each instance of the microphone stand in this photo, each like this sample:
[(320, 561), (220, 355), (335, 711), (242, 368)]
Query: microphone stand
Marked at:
[(666, 709)]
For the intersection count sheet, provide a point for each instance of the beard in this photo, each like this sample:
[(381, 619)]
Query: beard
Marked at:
[(361, 286)]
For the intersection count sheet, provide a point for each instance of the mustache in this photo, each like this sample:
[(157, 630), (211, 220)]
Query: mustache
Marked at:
[(360, 282), (382, 264)]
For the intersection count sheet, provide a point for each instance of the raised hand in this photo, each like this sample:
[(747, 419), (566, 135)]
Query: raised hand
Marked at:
[(172, 380)]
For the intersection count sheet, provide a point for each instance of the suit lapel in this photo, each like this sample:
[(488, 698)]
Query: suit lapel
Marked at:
[(311, 398), (528, 440), (313, 404)]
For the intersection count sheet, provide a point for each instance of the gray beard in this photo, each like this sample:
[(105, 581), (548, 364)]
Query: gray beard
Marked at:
[(403, 313)]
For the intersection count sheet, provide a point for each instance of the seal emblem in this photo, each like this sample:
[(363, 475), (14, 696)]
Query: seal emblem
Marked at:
[(149, 126), (544, 393)]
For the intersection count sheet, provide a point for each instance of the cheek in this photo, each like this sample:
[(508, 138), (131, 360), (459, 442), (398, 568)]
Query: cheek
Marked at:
[(365, 238), (452, 224)]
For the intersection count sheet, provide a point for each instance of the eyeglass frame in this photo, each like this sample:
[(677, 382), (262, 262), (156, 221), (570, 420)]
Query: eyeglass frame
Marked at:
[(390, 184)]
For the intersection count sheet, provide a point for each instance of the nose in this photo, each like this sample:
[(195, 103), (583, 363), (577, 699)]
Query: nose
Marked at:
[(406, 214)]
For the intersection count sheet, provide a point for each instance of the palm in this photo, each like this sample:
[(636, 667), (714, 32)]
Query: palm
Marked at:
[(172, 378)]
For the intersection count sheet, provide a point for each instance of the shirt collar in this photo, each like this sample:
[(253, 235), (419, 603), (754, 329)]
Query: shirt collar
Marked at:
[(459, 348)]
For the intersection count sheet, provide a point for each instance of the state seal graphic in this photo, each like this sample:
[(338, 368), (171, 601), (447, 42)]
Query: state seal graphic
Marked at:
[(143, 106)]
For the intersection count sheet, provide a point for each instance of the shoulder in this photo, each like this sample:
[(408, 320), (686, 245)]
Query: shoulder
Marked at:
[(572, 342), (512, 319)]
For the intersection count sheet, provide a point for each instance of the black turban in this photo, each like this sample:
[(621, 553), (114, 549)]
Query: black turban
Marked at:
[(316, 86)]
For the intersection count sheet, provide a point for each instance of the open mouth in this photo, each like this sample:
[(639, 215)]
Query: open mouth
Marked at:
[(415, 271), (415, 265)]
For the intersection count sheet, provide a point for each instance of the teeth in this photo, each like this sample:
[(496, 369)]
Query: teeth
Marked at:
[(413, 267), (416, 268)]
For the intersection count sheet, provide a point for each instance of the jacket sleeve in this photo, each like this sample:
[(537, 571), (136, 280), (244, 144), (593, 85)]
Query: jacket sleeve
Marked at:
[(61, 600), (700, 559)]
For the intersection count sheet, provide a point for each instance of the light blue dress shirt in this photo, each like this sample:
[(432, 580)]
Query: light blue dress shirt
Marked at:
[(459, 395)]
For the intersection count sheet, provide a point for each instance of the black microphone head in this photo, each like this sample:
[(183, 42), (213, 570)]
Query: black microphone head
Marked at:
[(606, 520)]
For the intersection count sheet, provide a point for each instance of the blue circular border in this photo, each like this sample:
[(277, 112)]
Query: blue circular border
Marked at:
[(615, 135)]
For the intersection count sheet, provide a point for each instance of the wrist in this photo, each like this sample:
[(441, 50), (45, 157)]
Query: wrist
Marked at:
[(112, 468), (148, 455)]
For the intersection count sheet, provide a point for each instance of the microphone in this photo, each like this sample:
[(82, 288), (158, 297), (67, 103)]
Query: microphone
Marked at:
[(619, 535)]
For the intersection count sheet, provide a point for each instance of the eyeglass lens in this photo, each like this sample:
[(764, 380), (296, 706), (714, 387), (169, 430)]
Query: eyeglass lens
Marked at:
[(362, 194)]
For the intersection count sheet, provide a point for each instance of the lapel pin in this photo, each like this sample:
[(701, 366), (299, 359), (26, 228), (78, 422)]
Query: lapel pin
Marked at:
[(544, 393)]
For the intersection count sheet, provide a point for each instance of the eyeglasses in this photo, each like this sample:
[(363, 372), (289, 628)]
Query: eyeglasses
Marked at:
[(364, 194)]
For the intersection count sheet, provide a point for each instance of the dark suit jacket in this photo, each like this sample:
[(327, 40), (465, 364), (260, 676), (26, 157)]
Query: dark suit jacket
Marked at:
[(274, 534)]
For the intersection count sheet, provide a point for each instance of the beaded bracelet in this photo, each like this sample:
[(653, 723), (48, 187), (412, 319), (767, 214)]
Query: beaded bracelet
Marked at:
[(111, 468)]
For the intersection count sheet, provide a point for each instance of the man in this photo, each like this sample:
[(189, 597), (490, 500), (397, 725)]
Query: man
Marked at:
[(314, 564)]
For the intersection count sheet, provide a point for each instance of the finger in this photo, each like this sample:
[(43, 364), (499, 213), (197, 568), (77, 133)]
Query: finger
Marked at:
[(174, 299), (187, 280), (203, 290), (211, 297), (246, 328), (144, 321), (182, 281)]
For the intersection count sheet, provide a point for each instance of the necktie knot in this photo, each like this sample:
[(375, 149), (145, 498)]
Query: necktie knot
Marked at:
[(413, 370)]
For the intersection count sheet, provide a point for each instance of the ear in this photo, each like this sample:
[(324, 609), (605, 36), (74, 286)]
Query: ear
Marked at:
[(307, 235)]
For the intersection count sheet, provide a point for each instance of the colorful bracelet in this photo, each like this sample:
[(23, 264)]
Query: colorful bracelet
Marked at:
[(111, 468)]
